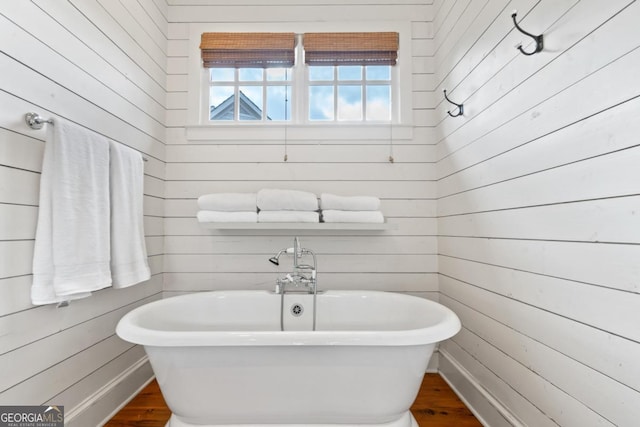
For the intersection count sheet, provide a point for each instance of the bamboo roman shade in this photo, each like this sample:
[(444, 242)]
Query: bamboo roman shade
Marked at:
[(351, 48), (247, 50)]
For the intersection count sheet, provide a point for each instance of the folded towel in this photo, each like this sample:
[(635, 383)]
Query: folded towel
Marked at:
[(349, 203), (288, 216), (218, 216), (71, 252), (286, 200), (128, 251), (352, 216), (228, 202)]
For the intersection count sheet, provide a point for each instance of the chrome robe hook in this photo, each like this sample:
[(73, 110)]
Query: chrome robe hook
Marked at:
[(538, 39), (460, 106)]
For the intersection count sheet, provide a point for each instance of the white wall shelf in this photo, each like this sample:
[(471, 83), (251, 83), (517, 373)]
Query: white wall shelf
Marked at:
[(297, 226)]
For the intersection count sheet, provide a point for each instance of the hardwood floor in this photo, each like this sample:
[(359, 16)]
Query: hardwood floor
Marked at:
[(436, 406)]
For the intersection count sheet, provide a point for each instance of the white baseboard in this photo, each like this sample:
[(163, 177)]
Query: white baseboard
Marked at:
[(487, 409), (99, 407)]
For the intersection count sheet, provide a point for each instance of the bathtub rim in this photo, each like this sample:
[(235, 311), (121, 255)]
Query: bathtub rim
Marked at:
[(128, 330)]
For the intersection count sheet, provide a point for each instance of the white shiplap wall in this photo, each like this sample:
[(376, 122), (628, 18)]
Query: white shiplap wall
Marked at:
[(538, 208), (219, 159), (102, 65)]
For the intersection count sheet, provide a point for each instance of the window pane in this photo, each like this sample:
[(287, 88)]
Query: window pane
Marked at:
[(221, 102), (250, 102), (250, 74), (276, 102), (350, 72), (320, 73), (321, 103), (349, 102), (222, 74), (378, 72), (378, 102), (279, 74)]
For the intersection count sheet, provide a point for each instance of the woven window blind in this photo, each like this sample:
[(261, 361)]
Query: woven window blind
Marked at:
[(351, 48), (247, 50)]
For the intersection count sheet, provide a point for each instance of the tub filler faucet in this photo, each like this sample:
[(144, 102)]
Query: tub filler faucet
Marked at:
[(303, 279)]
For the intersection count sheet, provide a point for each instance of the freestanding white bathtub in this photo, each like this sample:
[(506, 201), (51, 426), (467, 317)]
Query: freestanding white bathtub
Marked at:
[(221, 359)]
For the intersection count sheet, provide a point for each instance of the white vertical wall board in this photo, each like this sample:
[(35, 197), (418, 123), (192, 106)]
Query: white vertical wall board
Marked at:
[(321, 244), (91, 85), (58, 60), (537, 206), (26, 83), (574, 339), (607, 265), (25, 151), (15, 294), (523, 89), (15, 258), (136, 16), (612, 175), (67, 15), (42, 387), (597, 221), (290, 13), (614, 402), (153, 62), (20, 329), (554, 403), (344, 263), (53, 349), (19, 186), (405, 282), (497, 387), (604, 132)]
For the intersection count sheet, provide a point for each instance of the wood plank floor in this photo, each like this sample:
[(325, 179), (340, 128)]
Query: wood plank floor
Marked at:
[(436, 406)]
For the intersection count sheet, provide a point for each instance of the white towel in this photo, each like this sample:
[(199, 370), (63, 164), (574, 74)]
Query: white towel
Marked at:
[(219, 216), (71, 253), (349, 203), (286, 200), (228, 202), (128, 251), (288, 216), (352, 216)]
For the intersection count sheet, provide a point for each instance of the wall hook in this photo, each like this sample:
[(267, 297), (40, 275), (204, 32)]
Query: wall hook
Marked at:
[(538, 39), (460, 106)]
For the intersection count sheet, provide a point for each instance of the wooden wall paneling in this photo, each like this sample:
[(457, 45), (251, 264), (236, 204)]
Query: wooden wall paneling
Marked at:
[(121, 67), (604, 132), (496, 386), (153, 62), (574, 339), (517, 86), (287, 13), (406, 282)]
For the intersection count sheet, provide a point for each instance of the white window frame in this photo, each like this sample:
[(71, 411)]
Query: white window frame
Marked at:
[(198, 77)]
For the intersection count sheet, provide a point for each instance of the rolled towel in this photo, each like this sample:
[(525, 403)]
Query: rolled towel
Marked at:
[(228, 202), (333, 215), (286, 200), (220, 216), (288, 216), (349, 203)]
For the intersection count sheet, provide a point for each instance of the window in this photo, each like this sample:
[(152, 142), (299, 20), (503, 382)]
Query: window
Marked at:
[(350, 93), (345, 77), (249, 94)]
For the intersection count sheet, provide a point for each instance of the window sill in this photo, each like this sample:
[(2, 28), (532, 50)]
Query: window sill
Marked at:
[(323, 131)]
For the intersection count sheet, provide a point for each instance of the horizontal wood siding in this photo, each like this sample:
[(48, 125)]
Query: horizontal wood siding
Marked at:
[(102, 65), (538, 185), (343, 161)]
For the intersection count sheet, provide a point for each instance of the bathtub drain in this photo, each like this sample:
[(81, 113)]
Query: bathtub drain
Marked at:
[(297, 310)]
